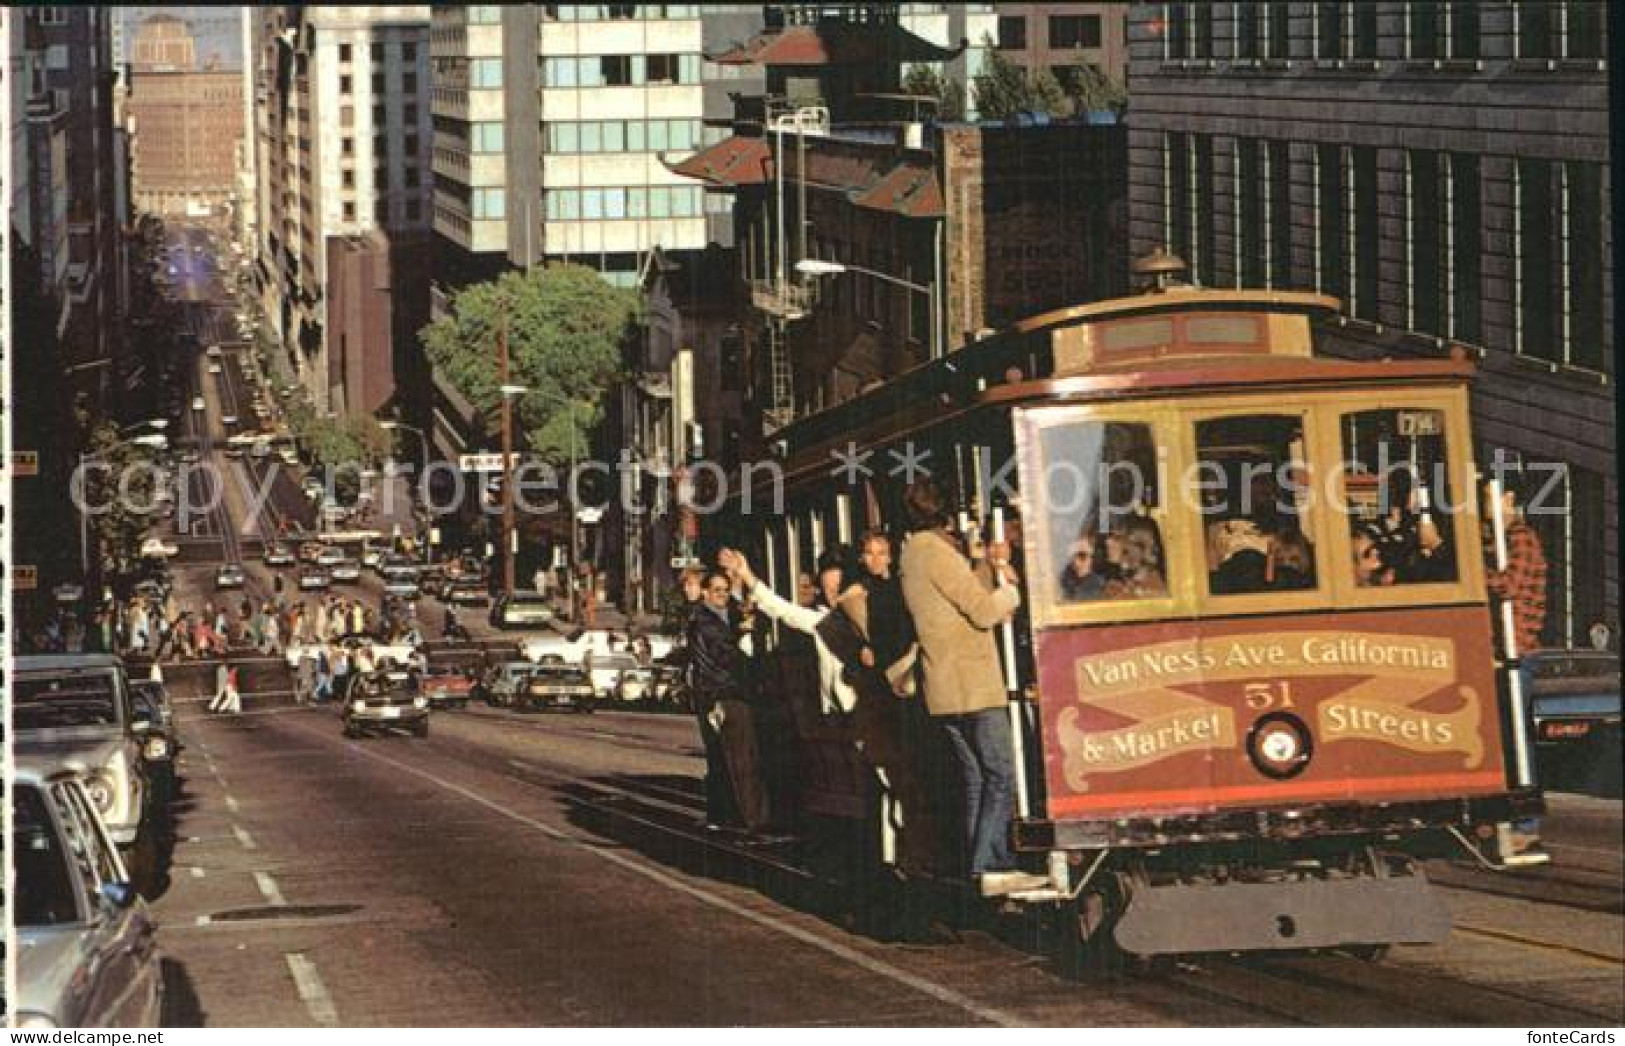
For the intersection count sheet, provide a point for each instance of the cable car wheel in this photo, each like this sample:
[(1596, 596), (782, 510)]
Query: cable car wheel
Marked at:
[(1083, 931)]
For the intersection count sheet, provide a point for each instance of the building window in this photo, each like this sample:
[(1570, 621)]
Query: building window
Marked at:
[(411, 145), (346, 116), (1465, 247), (1252, 230), (1427, 230), (661, 68), (1363, 21), (1261, 31), (1329, 195), (1536, 29), (1176, 222), (345, 85), (409, 116), (485, 73), (344, 52), (1071, 31), (346, 146), (484, 14), (412, 178), (349, 210), (347, 179), (1187, 31), (489, 203), (1278, 212), (486, 137), (1012, 33), (1462, 32), (1558, 262), (1584, 29), (409, 52), (1329, 39), (1362, 231), (409, 83), (377, 52), (615, 70)]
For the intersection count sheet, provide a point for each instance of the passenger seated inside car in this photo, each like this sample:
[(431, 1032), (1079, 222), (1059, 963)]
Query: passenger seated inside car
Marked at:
[(1292, 561), (1141, 565), (1239, 553), (1370, 570), (1085, 575)]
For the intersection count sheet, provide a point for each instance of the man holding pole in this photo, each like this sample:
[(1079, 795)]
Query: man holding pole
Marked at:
[(1517, 579)]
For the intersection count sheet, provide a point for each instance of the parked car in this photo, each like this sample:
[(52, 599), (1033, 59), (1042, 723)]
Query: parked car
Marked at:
[(87, 942), (618, 676), (521, 609), (377, 701), (314, 578), (75, 710), (1574, 705), (153, 721), (278, 556), (402, 584), (329, 556), (500, 686), (230, 575), (557, 686), (347, 570), (448, 687), (433, 582), (197, 403), (309, 551), (467, 592)]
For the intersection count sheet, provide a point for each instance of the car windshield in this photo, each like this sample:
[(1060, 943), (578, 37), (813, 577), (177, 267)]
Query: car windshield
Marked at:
[(528, 601), (557, 674), (45, 892), (65, 701)]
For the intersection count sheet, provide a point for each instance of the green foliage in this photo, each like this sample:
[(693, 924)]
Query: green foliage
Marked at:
[(117, 532), (927, 80), (345, 443), (1004, 88), (1091, 90), (566, 331)]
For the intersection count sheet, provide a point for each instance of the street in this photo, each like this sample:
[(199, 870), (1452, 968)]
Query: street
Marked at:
[(517, 870)]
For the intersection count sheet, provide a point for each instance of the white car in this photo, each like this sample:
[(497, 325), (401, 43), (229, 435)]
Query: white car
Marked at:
[(346, 570), (618, 676), (330, 557), (197, 403), (228, 420), (213, 352), (573, 649), (158, 548), (214, 368)]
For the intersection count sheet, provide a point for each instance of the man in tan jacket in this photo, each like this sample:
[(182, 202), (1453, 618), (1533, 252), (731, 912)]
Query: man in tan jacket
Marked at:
[(955, 613)]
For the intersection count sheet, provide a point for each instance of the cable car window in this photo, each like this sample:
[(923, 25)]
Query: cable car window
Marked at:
[(1099, 490), (1252, 479), (1136, 334), (1399, 497)]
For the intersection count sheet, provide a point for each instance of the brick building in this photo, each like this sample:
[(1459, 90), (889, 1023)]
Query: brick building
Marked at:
[(1441, 168), (188, 127)]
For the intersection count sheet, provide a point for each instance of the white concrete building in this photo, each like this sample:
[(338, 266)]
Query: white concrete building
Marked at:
[(345, 136)]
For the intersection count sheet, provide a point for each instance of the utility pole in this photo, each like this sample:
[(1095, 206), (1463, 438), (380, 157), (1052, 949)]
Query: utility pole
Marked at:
[(507, 457)]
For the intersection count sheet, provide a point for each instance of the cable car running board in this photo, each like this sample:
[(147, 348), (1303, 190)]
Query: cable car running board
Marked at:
[(1169, 920)]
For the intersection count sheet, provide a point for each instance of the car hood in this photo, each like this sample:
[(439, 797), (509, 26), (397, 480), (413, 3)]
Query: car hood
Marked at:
[(48, 961), (78, 747)]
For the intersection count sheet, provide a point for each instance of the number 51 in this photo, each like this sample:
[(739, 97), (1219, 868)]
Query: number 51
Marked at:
[(1262, 696)]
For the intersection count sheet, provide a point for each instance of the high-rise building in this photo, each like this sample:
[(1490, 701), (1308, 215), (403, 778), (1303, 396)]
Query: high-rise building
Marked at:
[(1443, 169), (163, 44), (345, 143), (187, 124), (62, 296)]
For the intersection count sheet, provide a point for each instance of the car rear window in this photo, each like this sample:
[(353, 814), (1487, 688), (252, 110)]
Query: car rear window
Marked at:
[(45, 891), (52, 702)]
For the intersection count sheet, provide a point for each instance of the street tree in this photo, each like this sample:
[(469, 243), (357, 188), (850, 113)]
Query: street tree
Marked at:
[(1004, 88), (117, 482), (928, 81), (566, 329)]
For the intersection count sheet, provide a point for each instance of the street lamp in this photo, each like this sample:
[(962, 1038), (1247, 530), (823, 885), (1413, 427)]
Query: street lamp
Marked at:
[(508, 536), (820, 267), (423, 444)]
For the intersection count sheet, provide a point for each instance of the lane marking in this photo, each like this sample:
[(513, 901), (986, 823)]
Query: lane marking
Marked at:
[(231, 804), (269, 889), (311, 989), (244, 838), (879, 967), (1532, 942)]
